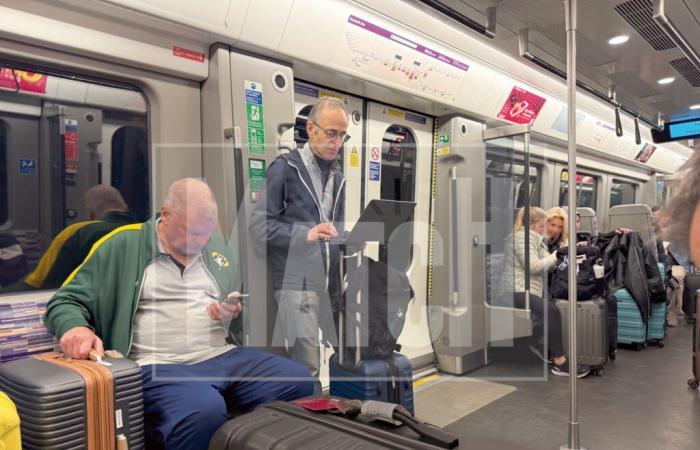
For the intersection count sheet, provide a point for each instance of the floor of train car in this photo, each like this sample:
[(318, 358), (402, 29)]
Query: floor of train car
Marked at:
[(641, 402)]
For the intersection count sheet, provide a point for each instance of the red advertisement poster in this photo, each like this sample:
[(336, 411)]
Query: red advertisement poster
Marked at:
[(22, 81), (71, 146), (521, 106)]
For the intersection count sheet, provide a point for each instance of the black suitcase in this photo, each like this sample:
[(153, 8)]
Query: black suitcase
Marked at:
[(695, 381), (52, 407), (690, 288), (284, 426)]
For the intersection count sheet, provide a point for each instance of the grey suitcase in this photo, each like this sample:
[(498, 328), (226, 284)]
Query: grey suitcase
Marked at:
[(285, 426), (51, 403), (592, 331)]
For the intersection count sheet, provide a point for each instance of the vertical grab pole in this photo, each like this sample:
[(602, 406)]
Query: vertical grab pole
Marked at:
[(526, 178), (570, 11)]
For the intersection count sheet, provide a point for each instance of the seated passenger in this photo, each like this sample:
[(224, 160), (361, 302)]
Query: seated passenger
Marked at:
[(153, 291), (541, 262), (557, 229), (107, 211), (675, 273)]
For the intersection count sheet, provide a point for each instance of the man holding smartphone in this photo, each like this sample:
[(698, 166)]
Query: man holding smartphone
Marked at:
[(165, 292), (300, 212)]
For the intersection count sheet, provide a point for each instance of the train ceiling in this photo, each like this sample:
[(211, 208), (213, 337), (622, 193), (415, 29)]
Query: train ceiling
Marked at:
[(632, 69)]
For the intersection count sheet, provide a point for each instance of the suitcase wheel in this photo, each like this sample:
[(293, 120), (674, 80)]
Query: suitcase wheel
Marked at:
[(660, 344), (693, 383), (639, 346), (598, 372)]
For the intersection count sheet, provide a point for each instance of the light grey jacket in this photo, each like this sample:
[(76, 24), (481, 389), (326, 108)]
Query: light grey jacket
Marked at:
[(541, 262)]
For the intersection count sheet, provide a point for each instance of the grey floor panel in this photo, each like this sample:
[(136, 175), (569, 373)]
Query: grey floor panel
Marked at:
[(452, 398), (642, 402)]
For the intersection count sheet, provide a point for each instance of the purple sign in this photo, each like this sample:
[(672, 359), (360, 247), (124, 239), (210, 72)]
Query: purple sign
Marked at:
[(303, 89), (406, 42), (415, 118)]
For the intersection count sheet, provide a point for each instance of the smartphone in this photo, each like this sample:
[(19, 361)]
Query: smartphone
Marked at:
[(232, 298)]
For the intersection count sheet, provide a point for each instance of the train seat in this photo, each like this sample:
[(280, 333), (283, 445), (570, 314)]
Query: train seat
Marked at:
[(22, 331), (589, 224), (636, 217)]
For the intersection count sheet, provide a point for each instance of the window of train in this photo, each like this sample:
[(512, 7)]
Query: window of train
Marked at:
[(621, 193), (515, 170), (3, 173), (59, 137), (586, 190), (398, 164)]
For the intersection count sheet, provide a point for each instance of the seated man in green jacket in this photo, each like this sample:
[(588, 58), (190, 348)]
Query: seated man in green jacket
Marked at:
[(106, 210), (155, 292)]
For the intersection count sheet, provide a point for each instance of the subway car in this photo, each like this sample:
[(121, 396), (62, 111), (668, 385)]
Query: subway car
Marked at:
[(456, 110)]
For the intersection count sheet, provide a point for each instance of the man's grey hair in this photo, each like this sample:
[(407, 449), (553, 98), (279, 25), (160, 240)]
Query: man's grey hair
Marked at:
[(323, 104), (102, 199), (191, 193)]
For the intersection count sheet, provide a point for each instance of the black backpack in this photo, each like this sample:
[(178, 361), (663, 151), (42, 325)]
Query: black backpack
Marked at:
[(587, 285), (13, 263), (385, 294)]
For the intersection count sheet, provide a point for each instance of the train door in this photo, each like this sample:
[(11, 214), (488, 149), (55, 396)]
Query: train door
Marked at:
[(305, 95), (589, 191), (398, 151), (19, 176)]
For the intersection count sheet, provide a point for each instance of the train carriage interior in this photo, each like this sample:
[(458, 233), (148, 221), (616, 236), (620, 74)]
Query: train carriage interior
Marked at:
[(458, 109)]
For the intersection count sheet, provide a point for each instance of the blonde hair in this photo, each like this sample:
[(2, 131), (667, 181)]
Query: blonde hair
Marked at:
[(536, 215), (559, 213)]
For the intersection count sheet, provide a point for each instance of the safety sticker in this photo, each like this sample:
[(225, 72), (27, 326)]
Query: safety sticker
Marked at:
[(256, 178), (375, 170), (27, 166), (186, 53), (254, 117), (71, 146), (354, 157)]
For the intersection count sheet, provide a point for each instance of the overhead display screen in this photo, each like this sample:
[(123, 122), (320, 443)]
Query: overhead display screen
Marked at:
[(684, 129), (673, 131)]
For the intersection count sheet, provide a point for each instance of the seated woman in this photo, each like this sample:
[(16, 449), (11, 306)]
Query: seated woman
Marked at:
[(541, 262), (557, 229)]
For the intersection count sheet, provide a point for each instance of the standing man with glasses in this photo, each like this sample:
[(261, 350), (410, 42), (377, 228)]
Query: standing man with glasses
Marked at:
[(301, 210)]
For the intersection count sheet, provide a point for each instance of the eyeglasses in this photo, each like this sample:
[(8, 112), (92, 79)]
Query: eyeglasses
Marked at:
[(334, 134)]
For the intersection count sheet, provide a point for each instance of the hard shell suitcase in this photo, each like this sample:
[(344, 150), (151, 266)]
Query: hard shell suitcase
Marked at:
[(387, 380), (592, 327), (631, 329), (690, 289), (656, 327), (57, 411), (695, 381), (284, 426)]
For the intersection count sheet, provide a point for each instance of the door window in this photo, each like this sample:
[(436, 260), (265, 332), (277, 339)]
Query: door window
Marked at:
[(398, 174), (586, 190), (621, 193)]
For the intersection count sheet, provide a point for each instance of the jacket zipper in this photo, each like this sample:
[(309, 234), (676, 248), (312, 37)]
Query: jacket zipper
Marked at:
[(320, 218), (136, 306), (138, 298)]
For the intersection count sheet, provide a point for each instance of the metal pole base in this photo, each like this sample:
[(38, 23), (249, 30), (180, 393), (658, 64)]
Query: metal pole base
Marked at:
[(566, 447)]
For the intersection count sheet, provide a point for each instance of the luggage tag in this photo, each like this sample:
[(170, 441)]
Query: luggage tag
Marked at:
[(330, 405)]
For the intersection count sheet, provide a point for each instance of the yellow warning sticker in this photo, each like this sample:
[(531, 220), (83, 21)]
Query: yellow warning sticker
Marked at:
[(391, 112), (322, 93), (444, 150), (354, 157)]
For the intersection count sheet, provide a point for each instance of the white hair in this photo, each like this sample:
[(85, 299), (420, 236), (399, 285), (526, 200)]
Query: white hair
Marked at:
[(191, 193)]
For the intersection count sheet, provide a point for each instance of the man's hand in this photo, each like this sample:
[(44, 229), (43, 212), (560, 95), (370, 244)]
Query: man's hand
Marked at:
[(224, 312), (77, 343), (322, 231), (582, 244), (624, 231)]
